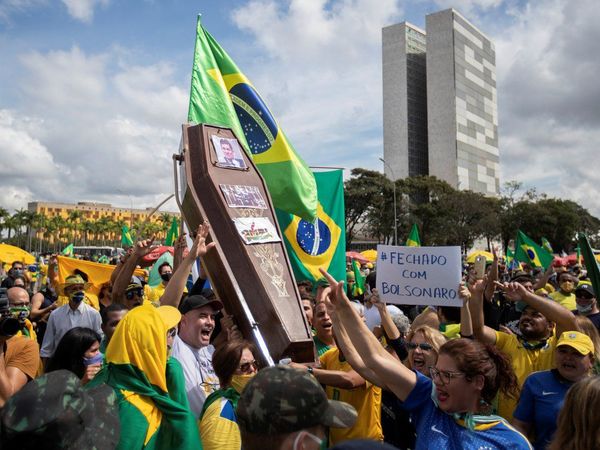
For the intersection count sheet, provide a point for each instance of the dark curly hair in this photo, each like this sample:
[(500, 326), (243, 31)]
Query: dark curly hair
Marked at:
[(474, 358)]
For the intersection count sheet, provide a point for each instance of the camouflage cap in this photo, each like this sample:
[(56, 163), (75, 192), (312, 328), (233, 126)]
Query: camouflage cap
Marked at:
[(281, 399), (55, 412)]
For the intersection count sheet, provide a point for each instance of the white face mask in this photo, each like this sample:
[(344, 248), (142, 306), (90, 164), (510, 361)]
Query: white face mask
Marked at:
[(318, 440)]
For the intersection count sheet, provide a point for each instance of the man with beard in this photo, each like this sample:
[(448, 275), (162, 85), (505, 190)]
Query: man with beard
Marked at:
[(533, 348), (192, 348)]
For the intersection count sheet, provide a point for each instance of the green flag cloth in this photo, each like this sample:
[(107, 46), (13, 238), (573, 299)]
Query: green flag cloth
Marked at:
[(126, 240), (511, 262), (546, 245), (222, 95), (173, 233), (310, 247), (413, 238), (527, 251), (67, 251), (359, 281), (590, 262)]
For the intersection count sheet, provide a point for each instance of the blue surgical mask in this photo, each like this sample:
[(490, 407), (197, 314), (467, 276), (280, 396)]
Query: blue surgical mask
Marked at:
[(77, 296)]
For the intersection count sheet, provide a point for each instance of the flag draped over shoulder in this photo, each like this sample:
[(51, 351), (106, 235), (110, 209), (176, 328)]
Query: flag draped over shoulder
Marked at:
[(310, 247), (126, 240), (590, 262), (413, 238), (527, 251), (221, 95), (150, 388), (173, 233)]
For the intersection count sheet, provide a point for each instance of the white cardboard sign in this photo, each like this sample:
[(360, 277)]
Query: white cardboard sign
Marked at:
[(419, 275)]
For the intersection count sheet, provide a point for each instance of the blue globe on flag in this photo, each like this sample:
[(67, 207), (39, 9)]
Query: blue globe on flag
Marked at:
[(258, 124), (305, 236)]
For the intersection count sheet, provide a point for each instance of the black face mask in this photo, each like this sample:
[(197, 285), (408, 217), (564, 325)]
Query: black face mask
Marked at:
[(166, 276)]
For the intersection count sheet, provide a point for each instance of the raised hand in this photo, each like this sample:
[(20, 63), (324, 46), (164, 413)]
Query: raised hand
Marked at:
[(512, 291), (144, 247), (337, 295), (200, 248)]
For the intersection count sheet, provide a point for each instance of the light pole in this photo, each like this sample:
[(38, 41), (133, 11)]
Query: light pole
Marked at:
[(395, 215)]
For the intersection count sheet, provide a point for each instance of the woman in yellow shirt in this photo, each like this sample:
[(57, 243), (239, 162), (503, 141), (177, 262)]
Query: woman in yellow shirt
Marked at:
[(235, 365)]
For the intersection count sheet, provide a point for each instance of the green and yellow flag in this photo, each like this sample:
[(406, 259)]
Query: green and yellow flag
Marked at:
[(527, 251), (150, 387), (324, 245), (590, 262), (221, 95), (173, 233), (126, 240), (68, 251), (413, 238), (359, 280), (546, 245)]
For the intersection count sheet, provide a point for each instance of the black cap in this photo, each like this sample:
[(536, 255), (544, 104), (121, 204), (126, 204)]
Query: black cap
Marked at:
[(521, 276), (198, 301), (585, 287)]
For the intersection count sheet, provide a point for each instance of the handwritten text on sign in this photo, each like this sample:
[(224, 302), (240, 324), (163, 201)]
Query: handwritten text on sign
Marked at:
[(419, 275)]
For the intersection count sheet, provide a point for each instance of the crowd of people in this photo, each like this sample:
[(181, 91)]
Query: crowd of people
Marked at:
[(133, 367)]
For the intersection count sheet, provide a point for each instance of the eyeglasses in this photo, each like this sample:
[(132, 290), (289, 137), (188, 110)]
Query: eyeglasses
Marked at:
[(423, 346), (172, 332), (443, 376), (247, 367), (130, 294)]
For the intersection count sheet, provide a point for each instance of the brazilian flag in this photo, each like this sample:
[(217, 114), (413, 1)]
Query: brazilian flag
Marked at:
[(322, 243), (546, 245), (126, 240), (359, 280), (527, 251), (590, 262), (68, 251), (413, 238), (222, 95), (173, 232)]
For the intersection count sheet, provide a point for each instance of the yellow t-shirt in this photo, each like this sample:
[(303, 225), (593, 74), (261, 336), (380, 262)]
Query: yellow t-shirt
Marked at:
[(218, 428), (524, 362), (568, 301), (154, 294), (366, 400)]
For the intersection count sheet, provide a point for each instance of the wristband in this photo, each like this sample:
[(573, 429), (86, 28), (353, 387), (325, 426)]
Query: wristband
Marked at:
[(311, 370)]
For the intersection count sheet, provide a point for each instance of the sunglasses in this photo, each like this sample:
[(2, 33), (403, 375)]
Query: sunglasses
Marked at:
[(130, 294), (425, 347), (584, 296), (248, 366), (171, 333)]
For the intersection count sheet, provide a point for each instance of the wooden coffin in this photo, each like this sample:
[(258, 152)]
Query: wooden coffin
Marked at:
[(254, 280)]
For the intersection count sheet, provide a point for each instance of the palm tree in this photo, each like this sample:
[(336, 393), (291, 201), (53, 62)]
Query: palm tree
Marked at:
[(74, 220), (4, 214)]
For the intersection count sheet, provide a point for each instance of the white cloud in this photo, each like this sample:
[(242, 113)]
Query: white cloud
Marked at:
[(93, 127), (83, 10), (320, 71), (548, 60)]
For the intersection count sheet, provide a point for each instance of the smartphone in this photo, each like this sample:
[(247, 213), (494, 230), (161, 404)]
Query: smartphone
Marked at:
[(479, 267)]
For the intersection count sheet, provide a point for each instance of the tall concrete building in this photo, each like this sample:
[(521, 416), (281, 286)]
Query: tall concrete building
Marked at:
[(404, 101), (460, 104)]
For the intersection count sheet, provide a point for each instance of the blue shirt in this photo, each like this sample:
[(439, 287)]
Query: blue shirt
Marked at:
[(541, 400), (438, 430)]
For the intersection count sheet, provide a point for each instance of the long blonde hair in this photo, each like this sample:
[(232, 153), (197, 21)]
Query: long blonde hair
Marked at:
[(578, 421), (432, 337)]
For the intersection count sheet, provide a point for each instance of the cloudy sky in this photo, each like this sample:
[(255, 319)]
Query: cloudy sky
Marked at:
[(93, 92)]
